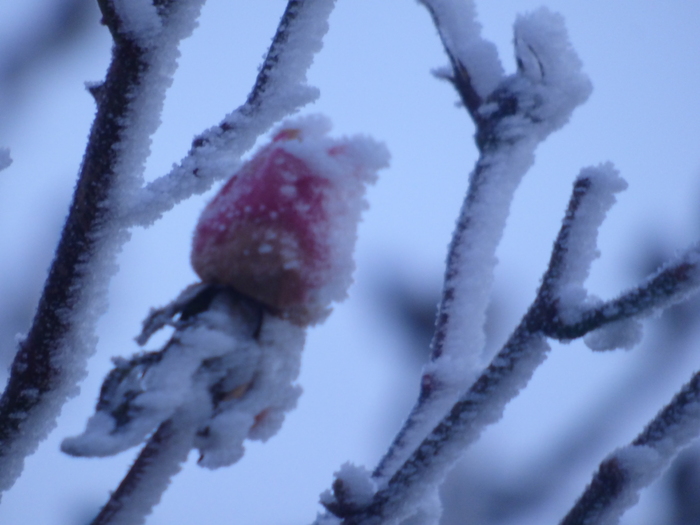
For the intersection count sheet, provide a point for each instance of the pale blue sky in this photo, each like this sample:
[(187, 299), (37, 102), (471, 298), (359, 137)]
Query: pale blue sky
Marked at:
[(374, 76)]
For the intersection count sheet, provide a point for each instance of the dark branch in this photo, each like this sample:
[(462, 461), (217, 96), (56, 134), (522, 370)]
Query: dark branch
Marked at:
[(609, 482), (460, 77), (513, 366), (672, 429), (152, 455), (672, 284), (262, 81), (682, 408), (35, 371)]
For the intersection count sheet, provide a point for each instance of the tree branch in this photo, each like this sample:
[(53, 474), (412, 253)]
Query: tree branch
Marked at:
[(52, 357), (484, 402), (280, 89), (616, 485), (149, 476), (670, 285), (475, 68), (510, 123)]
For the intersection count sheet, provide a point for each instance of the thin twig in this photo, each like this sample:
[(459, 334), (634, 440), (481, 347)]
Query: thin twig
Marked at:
[(670, 285), (46, 368), (616, 485), (506, 154), (214, 152), (507, 374), (460, 77), (148, 477)]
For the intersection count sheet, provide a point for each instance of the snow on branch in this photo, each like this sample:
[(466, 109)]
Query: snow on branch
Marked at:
[(593, 195), (671, 284), (616, 485), (280, 90), (476, 69), (138, 19), (483, 403), (148, 477), (576, 247), (520, 112), (51, 359)]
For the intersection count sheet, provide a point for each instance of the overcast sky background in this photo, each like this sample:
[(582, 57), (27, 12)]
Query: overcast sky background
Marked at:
[(374, 77)]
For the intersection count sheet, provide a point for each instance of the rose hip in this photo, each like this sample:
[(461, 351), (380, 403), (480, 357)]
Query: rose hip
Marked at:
[(282, 229)]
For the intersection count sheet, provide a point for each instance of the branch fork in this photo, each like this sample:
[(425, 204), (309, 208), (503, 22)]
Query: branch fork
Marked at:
[(511, 118)]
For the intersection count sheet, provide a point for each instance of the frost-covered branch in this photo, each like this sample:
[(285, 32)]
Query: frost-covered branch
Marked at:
[(280, 90), (454, 405), (52, 357), (475, 69), (483, 403), (149, 476), (616, 485), (671, 284), (512, 116)]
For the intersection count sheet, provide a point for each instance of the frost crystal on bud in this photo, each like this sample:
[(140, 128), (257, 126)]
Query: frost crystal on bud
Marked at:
[(282, 229)]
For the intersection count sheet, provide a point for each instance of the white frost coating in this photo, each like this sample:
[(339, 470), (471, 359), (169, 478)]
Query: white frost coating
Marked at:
[(264, 405), (139, 18), (464, 339), (418, 479), (358, 483), (429, 511), (252, 376), (581, 248), (285, 92), (641, 465), (166, 386), (545, 103), (549, 83), (144, 118), (624, 334), (461, 35), (91, 293), (5, 159), (547, 59)]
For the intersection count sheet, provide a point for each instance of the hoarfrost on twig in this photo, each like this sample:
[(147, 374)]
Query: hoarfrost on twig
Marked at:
[(511, 121), (279, 90), (51, 360)]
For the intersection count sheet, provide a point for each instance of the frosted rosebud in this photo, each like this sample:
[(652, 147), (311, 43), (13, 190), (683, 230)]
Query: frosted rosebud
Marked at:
[(282, 230)]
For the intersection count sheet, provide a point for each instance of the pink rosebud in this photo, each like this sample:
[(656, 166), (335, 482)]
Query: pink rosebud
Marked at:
[(282, 229)]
